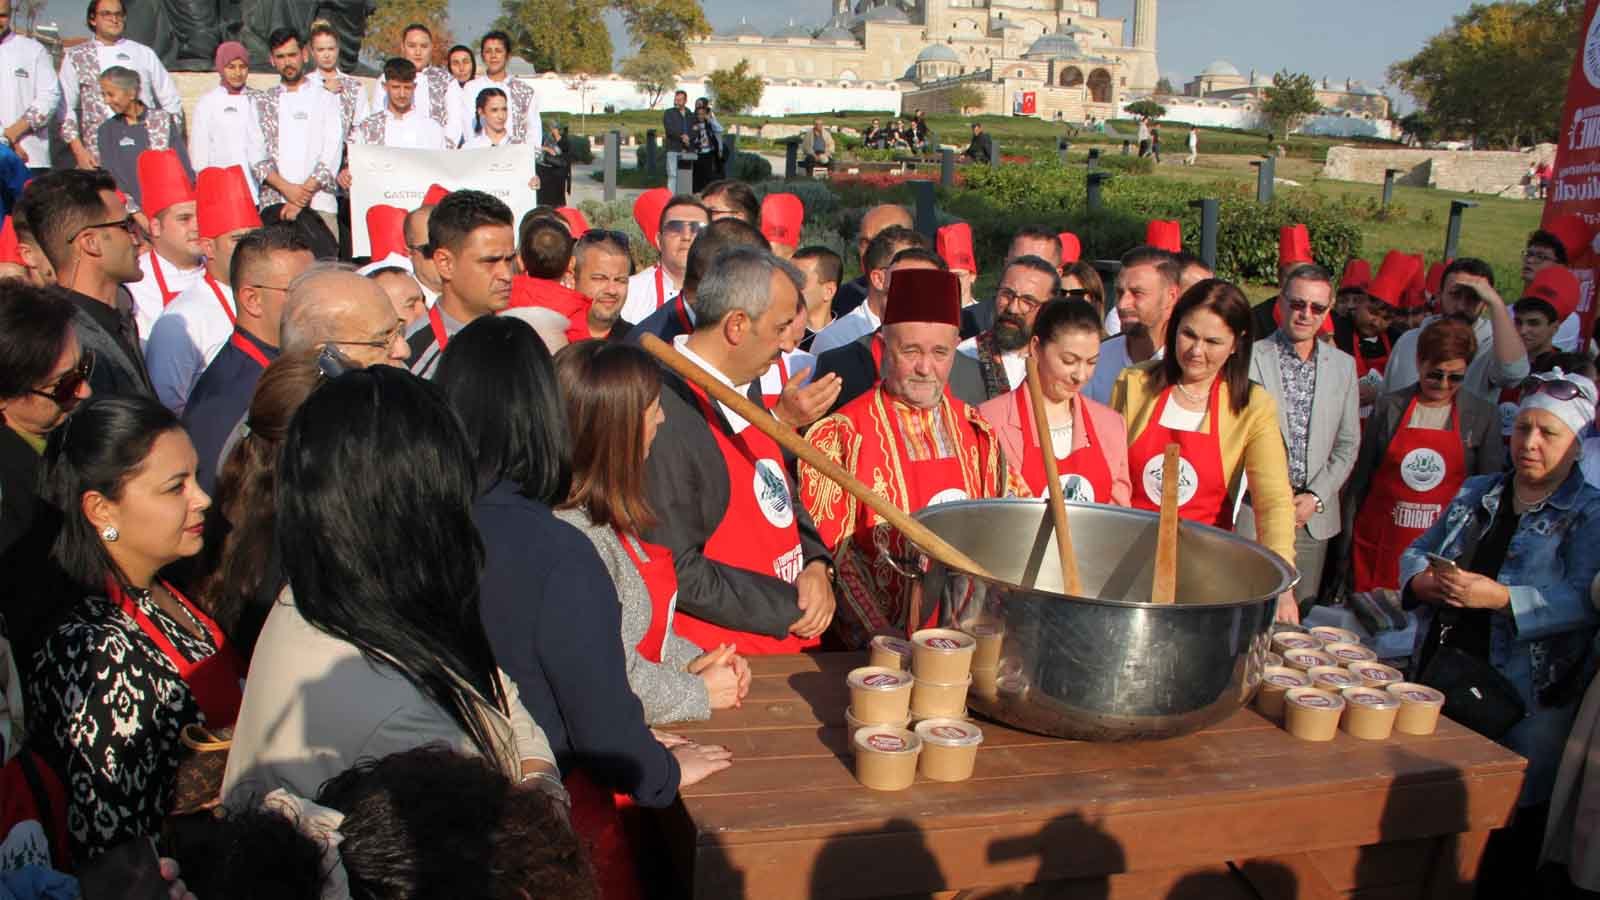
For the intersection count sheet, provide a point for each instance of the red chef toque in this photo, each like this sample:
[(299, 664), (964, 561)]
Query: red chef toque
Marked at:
[(781, 218), (647, 211), (1166, 234), (1435, 279), (923, 295), (386, 230), (1294, 245), (1357, 275), (576, 223), (162, 181), (954, 243), (1574, 233), (1394, 276), (1416, 295), (225, 202), (1557, 286), (8, 243), (436, 192), (1071, 249)]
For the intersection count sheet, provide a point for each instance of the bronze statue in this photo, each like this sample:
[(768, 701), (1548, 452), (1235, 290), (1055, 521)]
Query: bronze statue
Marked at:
[(185, 33)]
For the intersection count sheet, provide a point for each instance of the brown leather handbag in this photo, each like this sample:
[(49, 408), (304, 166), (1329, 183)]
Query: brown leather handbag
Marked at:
[(201, 764)]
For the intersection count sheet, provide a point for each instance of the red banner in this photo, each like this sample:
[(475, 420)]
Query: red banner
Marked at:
[(1575, 185)]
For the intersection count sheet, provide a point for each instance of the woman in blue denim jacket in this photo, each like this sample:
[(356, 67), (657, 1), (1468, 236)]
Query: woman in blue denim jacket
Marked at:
[(1527, 546)]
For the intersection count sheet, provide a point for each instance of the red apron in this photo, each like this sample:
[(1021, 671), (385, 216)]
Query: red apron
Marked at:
[(772, 382), (167, 296), (661, 289), (758, 532), (661, 581), (216, 682), (598, 818), (1202, 483), (243, 345), (222, 301), (930, 482), (436, 324), (1085, 476), (1369, 370), (682, 310), (1421, 471)]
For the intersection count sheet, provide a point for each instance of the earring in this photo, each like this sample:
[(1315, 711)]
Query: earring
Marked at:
[(110, 533)]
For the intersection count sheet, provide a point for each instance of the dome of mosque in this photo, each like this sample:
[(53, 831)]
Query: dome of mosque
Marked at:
[(1220, 67), (743, 29), (792, 31), (1054, 46), (835, 33), (937, 53)]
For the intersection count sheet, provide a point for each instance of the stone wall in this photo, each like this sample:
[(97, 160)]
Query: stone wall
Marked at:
[(1498, 172)]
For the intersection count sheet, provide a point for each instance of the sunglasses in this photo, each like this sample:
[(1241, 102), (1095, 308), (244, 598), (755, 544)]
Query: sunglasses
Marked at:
[(1559, 388), (601, 235), (64, 393), (126, 223), (1439, 376), (1317, 309), (683, 226)]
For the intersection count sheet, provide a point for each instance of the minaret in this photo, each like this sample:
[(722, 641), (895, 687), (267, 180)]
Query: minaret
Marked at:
[(1144, 25)]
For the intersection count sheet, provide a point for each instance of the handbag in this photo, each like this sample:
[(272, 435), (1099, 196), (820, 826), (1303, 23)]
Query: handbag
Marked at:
[(1475, 693), (201, 764)]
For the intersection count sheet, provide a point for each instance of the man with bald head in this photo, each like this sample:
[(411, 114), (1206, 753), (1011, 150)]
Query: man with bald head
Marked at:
[(331, 304), (854, 293)]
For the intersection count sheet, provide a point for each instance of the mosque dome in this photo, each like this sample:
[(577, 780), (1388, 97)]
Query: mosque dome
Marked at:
[(1221, 68), (1054, 46), (937, 53), (792, 31), (743, 29), (835, 33)]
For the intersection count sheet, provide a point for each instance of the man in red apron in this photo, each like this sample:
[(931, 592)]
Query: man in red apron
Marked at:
[(175, 259), (751, 568), (474, 249), (913, 443), (672, 231)]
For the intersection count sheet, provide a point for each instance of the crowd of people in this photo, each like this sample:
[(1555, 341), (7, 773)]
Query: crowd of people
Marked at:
[(315, 567)]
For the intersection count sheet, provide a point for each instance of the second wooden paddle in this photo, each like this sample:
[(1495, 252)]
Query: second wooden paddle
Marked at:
[(1164, 587), (1070, 582)]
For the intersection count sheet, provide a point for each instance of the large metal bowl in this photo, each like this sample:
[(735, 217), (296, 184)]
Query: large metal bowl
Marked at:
[(1108, 666)]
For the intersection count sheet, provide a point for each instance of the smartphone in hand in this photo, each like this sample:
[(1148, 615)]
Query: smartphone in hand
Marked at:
[(1435, 561)]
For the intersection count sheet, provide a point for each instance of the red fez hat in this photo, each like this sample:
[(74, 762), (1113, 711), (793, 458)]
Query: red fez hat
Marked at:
[(1294, 245), (1574, 234), (1435, 279), (1416, 295), (1394, 276), (781, 217), (162, 181), (225, 202), (1357, 275), (923, 295), (8, 243), (1166, 234), (647, 211), (1071, 249), (436, 192), (954, 242), (386, 230), (1557, 286), (576, 223)]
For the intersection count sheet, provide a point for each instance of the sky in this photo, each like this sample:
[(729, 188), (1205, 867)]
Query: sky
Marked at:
[(1339, 39)]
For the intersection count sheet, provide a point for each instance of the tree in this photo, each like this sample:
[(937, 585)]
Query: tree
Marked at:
[(1418, 124), (386, 26), (28, 11), (735, 90), (1290, 99), (963, 97), (655, 70), (1498, 74), (558, 35), (1147, 108), (1164, 86), (666, 25)]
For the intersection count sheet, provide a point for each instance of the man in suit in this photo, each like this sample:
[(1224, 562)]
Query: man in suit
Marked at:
[(1315, 386), (678, 122)]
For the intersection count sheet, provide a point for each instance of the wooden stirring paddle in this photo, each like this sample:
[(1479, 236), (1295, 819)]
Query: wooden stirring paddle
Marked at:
[(1164, 587), (1070, 582)]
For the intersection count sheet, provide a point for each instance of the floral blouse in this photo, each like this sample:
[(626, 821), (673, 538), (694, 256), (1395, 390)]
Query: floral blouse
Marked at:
[(105, 708)]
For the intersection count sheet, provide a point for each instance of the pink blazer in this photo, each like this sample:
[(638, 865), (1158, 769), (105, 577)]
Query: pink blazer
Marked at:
[(1110, 431)]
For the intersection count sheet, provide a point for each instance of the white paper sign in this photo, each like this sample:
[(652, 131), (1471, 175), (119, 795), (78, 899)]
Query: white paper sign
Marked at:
[(398, 177)]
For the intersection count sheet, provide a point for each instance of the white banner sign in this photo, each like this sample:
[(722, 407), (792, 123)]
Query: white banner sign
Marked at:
[(395, 177)]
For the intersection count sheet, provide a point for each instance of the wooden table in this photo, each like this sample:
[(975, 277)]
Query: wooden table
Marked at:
[(1196, 816)]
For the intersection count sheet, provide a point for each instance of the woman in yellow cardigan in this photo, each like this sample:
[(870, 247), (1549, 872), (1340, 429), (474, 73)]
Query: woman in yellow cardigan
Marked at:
[(1199, 396)]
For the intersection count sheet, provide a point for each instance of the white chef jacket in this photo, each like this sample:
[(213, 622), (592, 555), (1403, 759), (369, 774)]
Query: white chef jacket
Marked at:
[(28, 87), (448, 118), (156, 87), (642, 298), (527, 110), (413, 131), (148, 302), (305, 138), (187, 336), (225, 132)]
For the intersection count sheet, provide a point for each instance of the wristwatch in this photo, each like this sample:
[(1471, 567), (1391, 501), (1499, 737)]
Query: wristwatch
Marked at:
[(1320, 507)]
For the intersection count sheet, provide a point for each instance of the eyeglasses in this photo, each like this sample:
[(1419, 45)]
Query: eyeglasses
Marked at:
[(601, 235), (268, 287), (1533, 255), (382, 343), (683, 226), (64, 392), (1559, 388), (1317, 309), (1008, 296), (126, 223), (1440, 376)]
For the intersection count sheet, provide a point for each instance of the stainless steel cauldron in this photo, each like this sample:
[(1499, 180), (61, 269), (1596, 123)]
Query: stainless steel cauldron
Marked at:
[(1110, 666)]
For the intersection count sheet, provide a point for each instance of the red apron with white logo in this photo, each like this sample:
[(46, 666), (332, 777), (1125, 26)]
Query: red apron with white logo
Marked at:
[(216, 682), (1202, 483), (758, 532), (1421, 471), (1085, 476), (654, 565), (930, 482)]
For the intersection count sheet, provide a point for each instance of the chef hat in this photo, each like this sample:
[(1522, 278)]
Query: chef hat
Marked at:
[(1435, 280), (1416, 295), (8, 243), (1557, 286), (386, 230), (1574, 233), (1071, 248), (647, 211), (923, 295), (576, 223), (781, 218), (1575, 412), (162, 181), (1294, 245), (1357, 275), (436, 192), (954, 243), (1165, 234), (225, 202), (1393, 278)]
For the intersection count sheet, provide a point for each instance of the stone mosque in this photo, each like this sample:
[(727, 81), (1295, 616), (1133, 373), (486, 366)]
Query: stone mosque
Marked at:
[(1062, 55)]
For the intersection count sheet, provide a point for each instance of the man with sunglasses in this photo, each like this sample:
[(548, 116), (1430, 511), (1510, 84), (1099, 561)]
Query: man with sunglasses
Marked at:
[(1467, 292), (682, 220), (83, 105), (91, 240), (1315, 385)]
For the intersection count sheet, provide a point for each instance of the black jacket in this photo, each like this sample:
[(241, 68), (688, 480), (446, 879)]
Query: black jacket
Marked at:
[(687, 483), (853, 364), (850, 295), (118, 362), (677, 124), (977, 318)]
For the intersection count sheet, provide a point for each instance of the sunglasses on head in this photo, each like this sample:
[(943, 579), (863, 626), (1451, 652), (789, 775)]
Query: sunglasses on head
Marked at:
[(1317, 309), (1440, 376), (64, 392), (601, 235), (1559, 388)]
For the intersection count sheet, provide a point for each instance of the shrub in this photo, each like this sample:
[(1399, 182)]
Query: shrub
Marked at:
[(618, 216), (582, 150), (749, 167)]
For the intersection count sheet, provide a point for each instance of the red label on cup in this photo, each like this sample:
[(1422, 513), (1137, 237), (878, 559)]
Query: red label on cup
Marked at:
[(1374, 674), (886, 742), (1366, 699), (1350, 653), (1417, 696), (1297, 643), (1314, 700), (943, 643), (1285, 681), (1334, 678), (948, 732), (880, 679)]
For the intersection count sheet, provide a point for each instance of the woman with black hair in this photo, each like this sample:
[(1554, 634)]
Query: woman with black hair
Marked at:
[(377, 646), (554, 168), (132, 661)]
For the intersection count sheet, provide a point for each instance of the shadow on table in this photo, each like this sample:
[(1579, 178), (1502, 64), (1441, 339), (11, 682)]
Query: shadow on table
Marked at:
[(1445, 808), (880, 862), (821, 691)]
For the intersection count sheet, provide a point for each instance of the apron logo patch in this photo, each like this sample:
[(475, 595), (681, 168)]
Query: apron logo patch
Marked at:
[(1508, 416), (948, 495), (1422, 469), (1188, 480), (1076, 489), (772, 493)]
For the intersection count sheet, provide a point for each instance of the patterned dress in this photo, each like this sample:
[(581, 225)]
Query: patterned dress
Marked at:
[(105, 709)]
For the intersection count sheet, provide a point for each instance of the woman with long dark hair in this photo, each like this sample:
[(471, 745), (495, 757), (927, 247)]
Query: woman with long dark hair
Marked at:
[(132, 661), (377, 646), (1199, 396)]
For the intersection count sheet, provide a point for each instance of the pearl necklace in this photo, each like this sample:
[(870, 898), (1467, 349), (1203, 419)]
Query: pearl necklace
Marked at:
[(1193, 397)]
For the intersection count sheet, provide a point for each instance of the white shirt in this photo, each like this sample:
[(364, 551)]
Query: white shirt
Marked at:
[(224, 132), (1015, 363), (642, 298), (854, 324), (1113, 359), (1485, 374), (528, 110), (156, 87), (1567, 335), (735, 421), (422, 100), (28, 87), (148, 303), (308, 133), (186, 338), (413, 131)]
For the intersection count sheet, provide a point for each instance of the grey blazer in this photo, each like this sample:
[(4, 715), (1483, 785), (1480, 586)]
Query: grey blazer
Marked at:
[(1335, 438)]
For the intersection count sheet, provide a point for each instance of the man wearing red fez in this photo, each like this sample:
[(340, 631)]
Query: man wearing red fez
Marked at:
[(224, 130), (1367, 332), (1357, 276), (915, 443), (751, 568), (679, 222), (197, 324), (1027, 283), (173, 263), (1294, 249), (474, 248), (781, 218), (1468, 293)]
